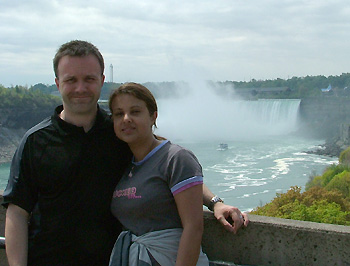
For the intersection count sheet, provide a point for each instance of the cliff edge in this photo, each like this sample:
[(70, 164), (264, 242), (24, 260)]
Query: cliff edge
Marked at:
[(14, 122)]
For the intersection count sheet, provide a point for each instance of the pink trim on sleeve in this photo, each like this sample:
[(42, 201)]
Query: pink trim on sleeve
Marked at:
[(187, 186)]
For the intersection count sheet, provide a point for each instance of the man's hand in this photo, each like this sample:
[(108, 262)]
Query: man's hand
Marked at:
[(222, 212)]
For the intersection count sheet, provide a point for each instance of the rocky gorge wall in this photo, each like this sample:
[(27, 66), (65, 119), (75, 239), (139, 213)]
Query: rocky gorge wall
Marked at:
[(14, 122), (21, 117), (323, 116), (327, 118)]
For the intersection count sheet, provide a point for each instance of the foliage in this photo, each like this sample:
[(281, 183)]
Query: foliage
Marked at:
[(107, 88), (318, 193), (344, 157), (298, 87), (326, 199), (327, 176), (315, 205), (340, 182), (46, 89), (21, 97)]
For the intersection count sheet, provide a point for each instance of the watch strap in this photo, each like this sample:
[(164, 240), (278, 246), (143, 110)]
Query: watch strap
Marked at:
[(213, 201)]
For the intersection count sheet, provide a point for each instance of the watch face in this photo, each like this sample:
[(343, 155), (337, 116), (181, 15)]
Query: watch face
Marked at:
[(216, 199)]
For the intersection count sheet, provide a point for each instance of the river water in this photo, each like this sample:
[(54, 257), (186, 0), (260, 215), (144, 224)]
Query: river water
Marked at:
[(264, 156), (4, 173), (250, 173), (266, 153)]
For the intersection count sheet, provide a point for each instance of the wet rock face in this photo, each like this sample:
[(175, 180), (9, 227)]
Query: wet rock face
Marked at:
[(323, 116), (334, 146)]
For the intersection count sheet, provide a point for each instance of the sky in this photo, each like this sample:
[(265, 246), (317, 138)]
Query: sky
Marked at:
[(168, 40)]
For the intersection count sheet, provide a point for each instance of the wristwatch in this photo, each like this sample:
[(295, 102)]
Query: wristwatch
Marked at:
[(213, 201)]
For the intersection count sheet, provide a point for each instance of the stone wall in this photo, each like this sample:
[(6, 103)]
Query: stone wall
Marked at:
[(276, 241), (267, 241)]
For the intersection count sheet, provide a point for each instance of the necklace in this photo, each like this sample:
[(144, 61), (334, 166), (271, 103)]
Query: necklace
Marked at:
[(130, 173), (154, 144)]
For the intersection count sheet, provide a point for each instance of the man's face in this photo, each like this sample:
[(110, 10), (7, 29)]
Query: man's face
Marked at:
[(79, 82)]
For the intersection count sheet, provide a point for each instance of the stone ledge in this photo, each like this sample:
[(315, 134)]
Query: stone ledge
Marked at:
[(267, 241), (275, 241)]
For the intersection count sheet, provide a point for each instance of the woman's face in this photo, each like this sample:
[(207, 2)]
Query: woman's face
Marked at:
[(132, 120)]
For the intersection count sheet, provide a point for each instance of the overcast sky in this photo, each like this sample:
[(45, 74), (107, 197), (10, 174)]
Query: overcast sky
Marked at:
[(159, 40)]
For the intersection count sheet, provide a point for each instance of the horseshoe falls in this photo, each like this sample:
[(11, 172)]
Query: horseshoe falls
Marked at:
[(264, 155)]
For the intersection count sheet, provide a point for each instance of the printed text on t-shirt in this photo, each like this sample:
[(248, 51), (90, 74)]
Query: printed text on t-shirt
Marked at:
[(128, 192)]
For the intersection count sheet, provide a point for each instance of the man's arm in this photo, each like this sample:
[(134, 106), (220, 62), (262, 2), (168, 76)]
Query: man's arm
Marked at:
[(16, 235), (223, 211)]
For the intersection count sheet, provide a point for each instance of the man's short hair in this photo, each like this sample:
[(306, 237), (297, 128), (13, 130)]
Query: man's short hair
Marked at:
[(77, 48)]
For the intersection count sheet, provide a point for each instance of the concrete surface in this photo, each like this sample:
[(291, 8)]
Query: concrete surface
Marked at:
[(275, 241), (267, 241)]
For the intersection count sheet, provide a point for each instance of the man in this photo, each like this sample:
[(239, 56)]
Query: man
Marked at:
[(65, 170)]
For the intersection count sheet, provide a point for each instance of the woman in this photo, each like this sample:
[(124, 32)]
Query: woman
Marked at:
[(159, 198)]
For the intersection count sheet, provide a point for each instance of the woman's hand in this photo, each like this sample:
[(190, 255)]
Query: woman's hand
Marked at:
[(222, 212)]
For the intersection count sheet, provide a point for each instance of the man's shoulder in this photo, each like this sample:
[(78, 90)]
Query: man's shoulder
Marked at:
[(45, 124)]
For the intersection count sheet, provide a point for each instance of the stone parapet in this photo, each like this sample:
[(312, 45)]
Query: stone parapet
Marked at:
[(267, 241), (275, 241)]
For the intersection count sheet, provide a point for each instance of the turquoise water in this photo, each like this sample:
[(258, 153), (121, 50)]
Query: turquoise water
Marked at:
[(250, 173), (4, 174)]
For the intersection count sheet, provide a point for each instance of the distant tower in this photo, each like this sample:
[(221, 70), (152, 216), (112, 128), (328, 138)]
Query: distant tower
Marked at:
[(111, 73)]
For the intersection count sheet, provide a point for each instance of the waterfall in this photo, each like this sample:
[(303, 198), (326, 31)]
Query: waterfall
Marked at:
[(269, 116), (206, 116)]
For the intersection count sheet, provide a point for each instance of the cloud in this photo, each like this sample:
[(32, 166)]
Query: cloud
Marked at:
[(158, 40)]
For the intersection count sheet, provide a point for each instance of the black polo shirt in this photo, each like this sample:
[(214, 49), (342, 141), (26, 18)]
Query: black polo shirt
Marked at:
[(65, 177)]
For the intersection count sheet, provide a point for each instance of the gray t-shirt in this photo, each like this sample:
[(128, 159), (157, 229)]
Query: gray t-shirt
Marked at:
[(143, 200)]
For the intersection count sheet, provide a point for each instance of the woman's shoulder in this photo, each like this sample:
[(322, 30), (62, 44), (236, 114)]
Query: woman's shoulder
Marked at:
[(175, 147), (178, 150)]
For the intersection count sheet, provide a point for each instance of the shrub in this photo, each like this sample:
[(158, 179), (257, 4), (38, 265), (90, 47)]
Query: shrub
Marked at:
[(327, 176), (344, 157), (340, 182), (316, 205)]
